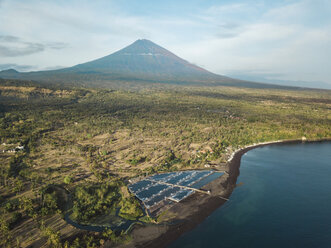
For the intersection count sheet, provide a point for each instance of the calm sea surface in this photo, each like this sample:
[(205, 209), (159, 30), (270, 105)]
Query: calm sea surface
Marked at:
[(284, 201)]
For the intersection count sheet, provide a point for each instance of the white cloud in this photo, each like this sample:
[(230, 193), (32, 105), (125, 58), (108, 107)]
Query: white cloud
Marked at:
[(12, 46), (282, 46), (290, 40)]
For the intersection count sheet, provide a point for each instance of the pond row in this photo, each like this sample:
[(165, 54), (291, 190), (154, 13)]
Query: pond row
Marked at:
[(160, 187)]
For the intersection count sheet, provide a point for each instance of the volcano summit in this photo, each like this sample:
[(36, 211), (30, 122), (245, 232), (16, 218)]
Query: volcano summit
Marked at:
[(142, 61)]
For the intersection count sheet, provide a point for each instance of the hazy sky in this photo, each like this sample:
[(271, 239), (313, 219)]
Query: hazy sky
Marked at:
[(283, 39)]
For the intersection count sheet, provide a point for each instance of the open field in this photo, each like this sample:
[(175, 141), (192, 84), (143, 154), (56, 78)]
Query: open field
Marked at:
[(91, 141)]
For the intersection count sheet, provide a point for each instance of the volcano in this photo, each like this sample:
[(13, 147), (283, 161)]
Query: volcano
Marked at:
[(142, 61), (145, 60)]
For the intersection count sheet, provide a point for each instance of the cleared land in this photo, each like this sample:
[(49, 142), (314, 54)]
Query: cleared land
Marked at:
[(92, 141)]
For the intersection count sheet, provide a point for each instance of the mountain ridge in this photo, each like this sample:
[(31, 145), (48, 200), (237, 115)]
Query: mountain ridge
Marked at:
[(141, 61)]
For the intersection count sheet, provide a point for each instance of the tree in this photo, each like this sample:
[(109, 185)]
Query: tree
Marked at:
[(53, 237), (67, 179)]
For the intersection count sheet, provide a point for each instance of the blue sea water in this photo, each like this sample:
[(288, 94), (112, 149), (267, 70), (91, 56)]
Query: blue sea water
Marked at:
[(284, 200)]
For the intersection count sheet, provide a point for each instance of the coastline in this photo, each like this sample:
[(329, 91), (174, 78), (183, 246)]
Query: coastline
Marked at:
[(198, 207)]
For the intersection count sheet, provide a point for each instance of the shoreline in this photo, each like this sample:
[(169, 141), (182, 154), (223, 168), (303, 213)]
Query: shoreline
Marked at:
[(162, 235)]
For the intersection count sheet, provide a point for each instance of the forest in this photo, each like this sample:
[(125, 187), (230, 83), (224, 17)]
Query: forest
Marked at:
[(74, 150)]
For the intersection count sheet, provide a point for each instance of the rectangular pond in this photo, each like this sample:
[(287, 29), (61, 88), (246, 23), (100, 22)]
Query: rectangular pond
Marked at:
[(174, 186)]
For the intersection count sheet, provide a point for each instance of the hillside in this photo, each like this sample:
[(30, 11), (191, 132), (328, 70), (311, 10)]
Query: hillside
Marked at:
[(142, 62), (89, 142)]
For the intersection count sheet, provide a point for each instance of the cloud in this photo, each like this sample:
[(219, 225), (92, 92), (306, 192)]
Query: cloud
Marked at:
[(8, 38), (276, 78), (53, 67), (288, 38), (229, 30), (28, 48), (26, 68), (56, 45), (310, 13), (16, 67), (12, 46), (284, 47)]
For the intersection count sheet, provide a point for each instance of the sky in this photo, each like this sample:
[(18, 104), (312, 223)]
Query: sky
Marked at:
[(258, 40)]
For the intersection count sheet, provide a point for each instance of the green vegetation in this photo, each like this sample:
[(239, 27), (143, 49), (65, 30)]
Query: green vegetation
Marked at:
[(103, 199), (67, 179), (82, 145), (130, 209)]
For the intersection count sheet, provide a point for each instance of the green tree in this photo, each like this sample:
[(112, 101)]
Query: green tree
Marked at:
[(67, 179)]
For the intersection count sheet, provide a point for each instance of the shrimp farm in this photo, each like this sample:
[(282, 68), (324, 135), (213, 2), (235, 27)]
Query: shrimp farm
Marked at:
[(160, 191)]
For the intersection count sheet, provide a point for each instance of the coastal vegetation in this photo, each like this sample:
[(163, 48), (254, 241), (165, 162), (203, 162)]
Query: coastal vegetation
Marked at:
[(68, 149)]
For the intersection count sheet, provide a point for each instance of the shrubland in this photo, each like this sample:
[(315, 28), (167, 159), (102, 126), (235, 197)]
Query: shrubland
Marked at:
[(82, 145)]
